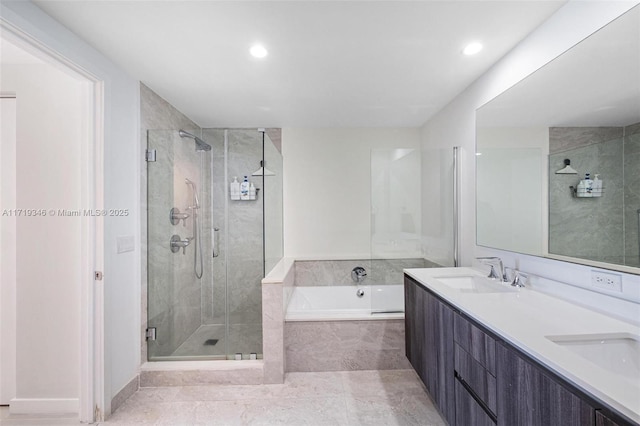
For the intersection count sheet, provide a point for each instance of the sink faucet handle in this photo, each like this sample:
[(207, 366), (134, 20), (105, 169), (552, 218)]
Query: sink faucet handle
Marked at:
[(494, 261), (519, 279), (493, 273)]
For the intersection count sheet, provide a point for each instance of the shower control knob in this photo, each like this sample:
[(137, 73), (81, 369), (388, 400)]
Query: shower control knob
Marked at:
[(175, 217), (178, 243)]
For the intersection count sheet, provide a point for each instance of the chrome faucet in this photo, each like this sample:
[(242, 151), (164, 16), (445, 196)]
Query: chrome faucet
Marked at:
[(519, 278), (494, 262), (358, 274)]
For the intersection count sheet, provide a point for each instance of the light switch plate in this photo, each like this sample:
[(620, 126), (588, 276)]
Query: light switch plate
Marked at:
[(125, 243)]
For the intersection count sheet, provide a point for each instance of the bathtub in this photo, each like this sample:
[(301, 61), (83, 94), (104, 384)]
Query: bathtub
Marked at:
[(338, 303)]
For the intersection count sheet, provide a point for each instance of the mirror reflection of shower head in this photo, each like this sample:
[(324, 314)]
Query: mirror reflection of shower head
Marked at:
[(196, 202), (200, 144)]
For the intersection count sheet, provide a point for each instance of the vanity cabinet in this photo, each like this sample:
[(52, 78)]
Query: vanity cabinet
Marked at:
[(429, 345), (604, 420), (475, 373), (477, 378)]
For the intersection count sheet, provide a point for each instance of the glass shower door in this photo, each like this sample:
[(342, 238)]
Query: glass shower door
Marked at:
[(179, 253), (395, 223)]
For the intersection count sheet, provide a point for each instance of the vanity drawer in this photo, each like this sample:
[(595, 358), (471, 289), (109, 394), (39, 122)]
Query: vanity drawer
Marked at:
[(475, 342), (468, 411), (477, 378)]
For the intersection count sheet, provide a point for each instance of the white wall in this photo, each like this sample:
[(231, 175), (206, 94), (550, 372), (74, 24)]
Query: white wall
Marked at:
[(327, 188), (121, 189), (455, 124), (7, 251), (48, 259), (511, 188)]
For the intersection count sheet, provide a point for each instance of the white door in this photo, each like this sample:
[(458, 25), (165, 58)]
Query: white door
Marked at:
[(46, 257)]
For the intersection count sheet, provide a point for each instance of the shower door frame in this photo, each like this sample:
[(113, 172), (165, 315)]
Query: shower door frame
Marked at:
[(93, 403)]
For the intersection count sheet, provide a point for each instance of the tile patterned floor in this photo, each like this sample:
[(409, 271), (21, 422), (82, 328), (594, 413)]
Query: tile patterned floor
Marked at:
[(377, 398)]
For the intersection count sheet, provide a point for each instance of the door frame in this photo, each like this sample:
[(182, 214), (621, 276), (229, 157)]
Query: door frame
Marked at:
[(92, 397)]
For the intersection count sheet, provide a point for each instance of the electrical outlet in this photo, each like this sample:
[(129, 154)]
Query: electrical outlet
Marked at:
[(606, 281)]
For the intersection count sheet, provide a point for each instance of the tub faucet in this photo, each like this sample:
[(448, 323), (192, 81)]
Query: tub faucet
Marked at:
[(358, 274), (494, 262)]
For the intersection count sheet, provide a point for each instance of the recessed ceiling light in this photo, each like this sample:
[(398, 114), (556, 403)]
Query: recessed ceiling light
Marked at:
[(258, 51), (472, 48)]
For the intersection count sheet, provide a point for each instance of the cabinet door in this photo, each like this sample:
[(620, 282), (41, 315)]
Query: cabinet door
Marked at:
[(527, 396), (603, 419), (414, 299), (439, 351)]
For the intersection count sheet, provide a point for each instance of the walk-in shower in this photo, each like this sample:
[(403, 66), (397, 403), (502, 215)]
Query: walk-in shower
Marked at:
[(207, 252)]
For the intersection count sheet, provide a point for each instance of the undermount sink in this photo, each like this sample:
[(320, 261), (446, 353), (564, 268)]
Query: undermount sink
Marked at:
[(618, 353), (474, 284)]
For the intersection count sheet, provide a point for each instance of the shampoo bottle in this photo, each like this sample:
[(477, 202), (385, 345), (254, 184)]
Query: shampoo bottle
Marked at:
[(244, 189), (234, 189), (588, 185), (252, 191)]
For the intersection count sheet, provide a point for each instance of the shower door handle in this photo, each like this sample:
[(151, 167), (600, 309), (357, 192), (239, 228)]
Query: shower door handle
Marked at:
[(216, 252)]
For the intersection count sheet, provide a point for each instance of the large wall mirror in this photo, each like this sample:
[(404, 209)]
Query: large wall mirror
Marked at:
[(537, 141)]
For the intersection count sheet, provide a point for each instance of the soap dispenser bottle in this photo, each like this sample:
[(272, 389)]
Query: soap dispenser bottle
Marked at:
[(581, 191), (252, 191), (234, 189), (597, 186), (244, 189)]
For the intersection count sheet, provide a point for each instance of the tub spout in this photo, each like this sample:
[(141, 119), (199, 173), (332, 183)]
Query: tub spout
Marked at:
[(358, 274)]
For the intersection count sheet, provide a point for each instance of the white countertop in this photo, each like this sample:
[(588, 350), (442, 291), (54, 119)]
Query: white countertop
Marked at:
[(525, 317)]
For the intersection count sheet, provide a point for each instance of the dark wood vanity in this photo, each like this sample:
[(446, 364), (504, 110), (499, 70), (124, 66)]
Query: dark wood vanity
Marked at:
[(478, 378)]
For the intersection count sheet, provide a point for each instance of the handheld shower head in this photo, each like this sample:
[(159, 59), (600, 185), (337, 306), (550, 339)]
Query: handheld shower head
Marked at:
[(200, 144), (196, 202)]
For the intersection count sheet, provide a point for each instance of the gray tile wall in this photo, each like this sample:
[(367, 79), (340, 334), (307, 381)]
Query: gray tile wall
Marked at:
[(632, 193), (604, 228), (338, 272), (173, 308), (240, 264), (345, 345)]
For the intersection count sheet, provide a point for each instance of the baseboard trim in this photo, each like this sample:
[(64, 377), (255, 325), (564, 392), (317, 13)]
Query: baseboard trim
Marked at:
[(125, 393), (44, 406)]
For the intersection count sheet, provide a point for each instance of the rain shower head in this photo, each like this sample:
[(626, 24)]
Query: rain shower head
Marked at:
[(200, 144)]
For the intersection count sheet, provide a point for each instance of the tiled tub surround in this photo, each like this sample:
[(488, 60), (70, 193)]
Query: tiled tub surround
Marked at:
[(605, 228), (320, 343), (345, 345), (338, 272)]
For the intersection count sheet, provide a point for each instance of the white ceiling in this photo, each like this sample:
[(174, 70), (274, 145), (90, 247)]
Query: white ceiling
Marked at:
[(330, 63)]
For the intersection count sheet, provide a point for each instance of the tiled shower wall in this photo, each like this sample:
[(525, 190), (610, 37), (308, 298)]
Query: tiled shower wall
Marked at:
[(240, 263), (632, 194), (602, 228), (179, 303)]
